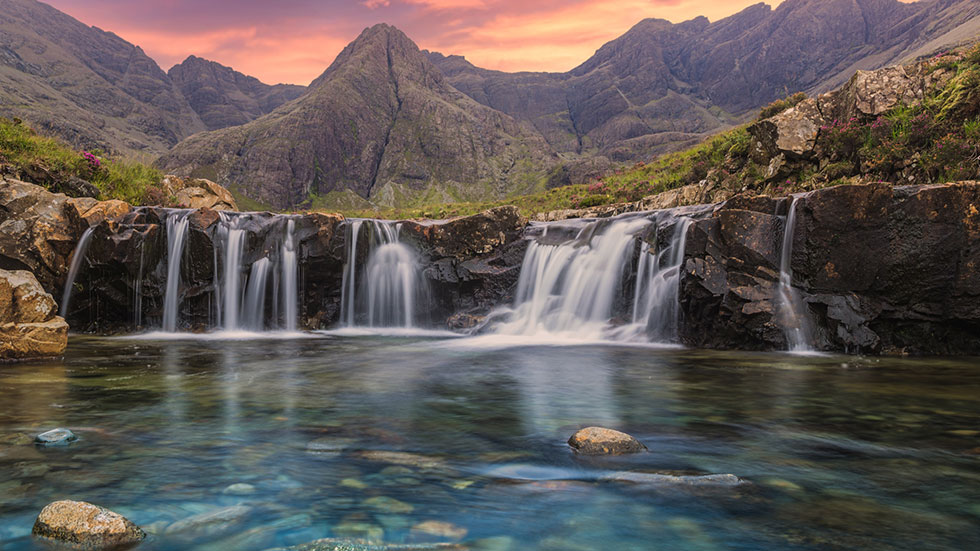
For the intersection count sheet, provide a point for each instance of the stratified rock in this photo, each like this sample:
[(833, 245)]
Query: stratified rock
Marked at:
[(56, 437), (86, 525), (196, 193), (29, 324), (602, 441)]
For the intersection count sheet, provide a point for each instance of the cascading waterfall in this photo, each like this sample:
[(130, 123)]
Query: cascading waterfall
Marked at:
[(76, 264), (349, 287), (253, 308), (290, 274), (796, 325), (391, 285), (138, 291), (656, 301), (177, 223), (231, 288), (571, 288)]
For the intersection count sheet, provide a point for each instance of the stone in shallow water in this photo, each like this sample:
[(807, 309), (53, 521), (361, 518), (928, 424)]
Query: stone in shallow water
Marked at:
[(209, 525), (55, 437), (603, 441), (386, 504), (658, 479), (239, 489), (87, 525), (438, 529), (343, 544)]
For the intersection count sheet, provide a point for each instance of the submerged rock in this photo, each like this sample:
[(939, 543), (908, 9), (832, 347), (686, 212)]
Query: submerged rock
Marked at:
[(343, 544), (602, 441), (437, 529), (660, 479), (55, 437), (87, 525), (209, 525)]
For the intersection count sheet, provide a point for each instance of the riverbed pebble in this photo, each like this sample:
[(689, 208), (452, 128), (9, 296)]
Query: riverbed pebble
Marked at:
[(603, 441)]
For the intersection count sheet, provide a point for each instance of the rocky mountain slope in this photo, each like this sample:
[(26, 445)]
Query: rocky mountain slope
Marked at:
[(98, 91), (223, 97), (381, 122), (662, 85)]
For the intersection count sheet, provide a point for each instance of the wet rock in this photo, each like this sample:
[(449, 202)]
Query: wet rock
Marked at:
[(87, 525), (195, 193), (437, 529), (239, 489), (209, 525), (55, 437), (361, 531), (667, 480), (386, 504), (29, 324), (345, 544), (402, 458), (602, 441)]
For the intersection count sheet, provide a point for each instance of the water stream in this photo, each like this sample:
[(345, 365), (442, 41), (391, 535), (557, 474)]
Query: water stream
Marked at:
[(177, 223), (792, 312), (76, 264)]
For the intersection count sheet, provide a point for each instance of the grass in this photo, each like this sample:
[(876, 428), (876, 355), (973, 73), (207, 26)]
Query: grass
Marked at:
[(50, 162)]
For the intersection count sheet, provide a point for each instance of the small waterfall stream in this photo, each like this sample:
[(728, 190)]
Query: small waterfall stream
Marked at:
[(290, 278), (388, 294), (792, 314), (177, 223), (571, 288), (76, 263)]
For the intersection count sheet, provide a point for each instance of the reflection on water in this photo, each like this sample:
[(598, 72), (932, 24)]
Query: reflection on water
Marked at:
[(370, 435)]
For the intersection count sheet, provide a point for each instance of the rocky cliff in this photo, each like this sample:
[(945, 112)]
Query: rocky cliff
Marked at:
[(224, 97), (382, 123), (661, 86)]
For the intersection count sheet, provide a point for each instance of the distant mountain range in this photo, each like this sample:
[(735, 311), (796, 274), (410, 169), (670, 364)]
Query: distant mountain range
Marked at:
[(389, 124)]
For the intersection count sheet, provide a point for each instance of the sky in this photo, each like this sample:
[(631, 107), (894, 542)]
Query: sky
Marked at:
[(293, 41)]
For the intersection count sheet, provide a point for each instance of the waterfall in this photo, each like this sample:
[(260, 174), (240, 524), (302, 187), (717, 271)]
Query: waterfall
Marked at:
[(231, 292), (571, 288), (349, 287), (290, 272), (138, 290), (391, 286), (793, 318), (656, 300), (76, 264), (253, 308), (177, 223)]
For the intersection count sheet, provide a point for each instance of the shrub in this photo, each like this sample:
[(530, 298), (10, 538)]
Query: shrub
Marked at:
[(781, 105)]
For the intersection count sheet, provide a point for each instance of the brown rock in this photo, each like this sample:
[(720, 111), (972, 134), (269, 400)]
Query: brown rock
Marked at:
[(438, 529), (89, 526), (602, 441), (29, 326), (196, 193)]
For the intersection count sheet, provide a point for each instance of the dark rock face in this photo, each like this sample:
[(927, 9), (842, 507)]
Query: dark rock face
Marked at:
[(381, 122), (223, 97), (880, 269)]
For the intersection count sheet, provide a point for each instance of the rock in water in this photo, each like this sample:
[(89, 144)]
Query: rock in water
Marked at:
[(55, 437), (601, 441), (87, 525)]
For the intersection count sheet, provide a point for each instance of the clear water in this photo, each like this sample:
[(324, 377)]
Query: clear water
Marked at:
[(840, 452)]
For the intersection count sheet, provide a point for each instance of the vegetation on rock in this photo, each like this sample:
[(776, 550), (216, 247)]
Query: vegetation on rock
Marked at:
[(51, 163)]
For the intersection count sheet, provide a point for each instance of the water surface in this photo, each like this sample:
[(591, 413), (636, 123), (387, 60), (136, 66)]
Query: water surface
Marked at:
[(354, 435)]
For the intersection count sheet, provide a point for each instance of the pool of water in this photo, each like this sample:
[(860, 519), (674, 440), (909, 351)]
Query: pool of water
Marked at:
[(252, 444)]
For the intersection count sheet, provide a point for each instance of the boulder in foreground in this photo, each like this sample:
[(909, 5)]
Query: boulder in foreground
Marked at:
[(29, 324), (602, 441), (86, 525)]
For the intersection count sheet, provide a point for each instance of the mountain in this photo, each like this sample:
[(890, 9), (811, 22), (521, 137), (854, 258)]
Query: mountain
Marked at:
[(98, 91), (223, 97), (381, 123), (86, 85), (661, 85)]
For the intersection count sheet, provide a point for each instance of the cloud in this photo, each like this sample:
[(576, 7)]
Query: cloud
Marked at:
[(295, 40)]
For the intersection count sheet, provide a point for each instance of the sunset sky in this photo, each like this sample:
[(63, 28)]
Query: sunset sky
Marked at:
[(295, 40)]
